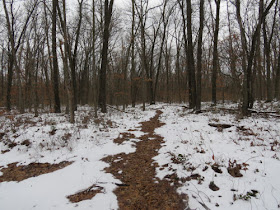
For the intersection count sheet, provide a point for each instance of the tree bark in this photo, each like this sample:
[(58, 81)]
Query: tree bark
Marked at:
[(11, 55), (199, 55), (66, 53), (215, 54), (233, 60), (55, 74), (133, 73), (108, 8), (277, 79), (268, 64), (190, 58), (94, 69), (2, 75), (267, 52)]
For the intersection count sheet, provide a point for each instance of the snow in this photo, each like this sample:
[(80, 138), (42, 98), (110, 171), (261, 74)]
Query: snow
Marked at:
[(86, 146), (186, 134), (187, 137)]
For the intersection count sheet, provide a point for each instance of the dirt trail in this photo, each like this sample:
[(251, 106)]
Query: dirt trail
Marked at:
[(140, 189)]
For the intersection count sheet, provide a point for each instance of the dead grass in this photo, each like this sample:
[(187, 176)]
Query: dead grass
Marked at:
[(22, 172), (124, 137), (86, 194)]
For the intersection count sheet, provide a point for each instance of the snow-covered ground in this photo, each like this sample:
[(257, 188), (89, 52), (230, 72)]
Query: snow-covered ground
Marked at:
[(85, 143), (190, 145), (253, 142)]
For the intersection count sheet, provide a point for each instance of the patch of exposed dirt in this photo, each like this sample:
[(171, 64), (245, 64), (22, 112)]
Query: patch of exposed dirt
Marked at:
[(245, 131), (141, 190), (235, 171), (22, 172), (213, 186), (26, 143), (5, 151), (220, 126), (11, 145), (86, 194), (216, 168), (234, 168), (124, 137)]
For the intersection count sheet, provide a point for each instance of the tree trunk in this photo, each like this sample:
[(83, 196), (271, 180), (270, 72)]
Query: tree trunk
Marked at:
[(133, 74), (94, 69), (190, 58), (267, 52), (11, 55), (143, 65), (165, 21), (66, 56), (36, 103), (247, 83), (215, 53), (55, 74), (108, 7), (2, 76), (277, 79), (268, 64), (48, 92), (199, 55), (9, 81), (233, 60)]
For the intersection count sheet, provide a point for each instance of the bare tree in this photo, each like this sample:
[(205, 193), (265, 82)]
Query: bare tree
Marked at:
[(108, 10), (267, 51), (215, 53), (199, 54), (15, 43), (190, 58), (66, 56), (188, 41), (142, 11), (248, 55), (55, 73), (133, 65), (94, 69)]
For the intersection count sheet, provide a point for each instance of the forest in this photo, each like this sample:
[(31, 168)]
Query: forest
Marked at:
[(139, 104), (54, 54)]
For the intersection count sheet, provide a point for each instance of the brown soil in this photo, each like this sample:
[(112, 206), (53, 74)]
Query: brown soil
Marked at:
[(124, 137), (235, 171), (213, 186), (86, 194), (22, 172), (140, 189), (216, 168)]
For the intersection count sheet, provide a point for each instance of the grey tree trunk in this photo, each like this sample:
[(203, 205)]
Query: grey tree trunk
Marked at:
[(108, 8), (55, 74), (94, 69), (215, 54), (277, 79), (199, 55), (133, 73), (190, 58)]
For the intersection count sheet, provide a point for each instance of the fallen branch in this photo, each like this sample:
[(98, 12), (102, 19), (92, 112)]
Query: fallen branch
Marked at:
[(263, 112), (220, 125)]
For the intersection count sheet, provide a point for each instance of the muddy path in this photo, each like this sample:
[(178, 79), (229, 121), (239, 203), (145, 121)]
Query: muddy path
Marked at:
[(140, 189)]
